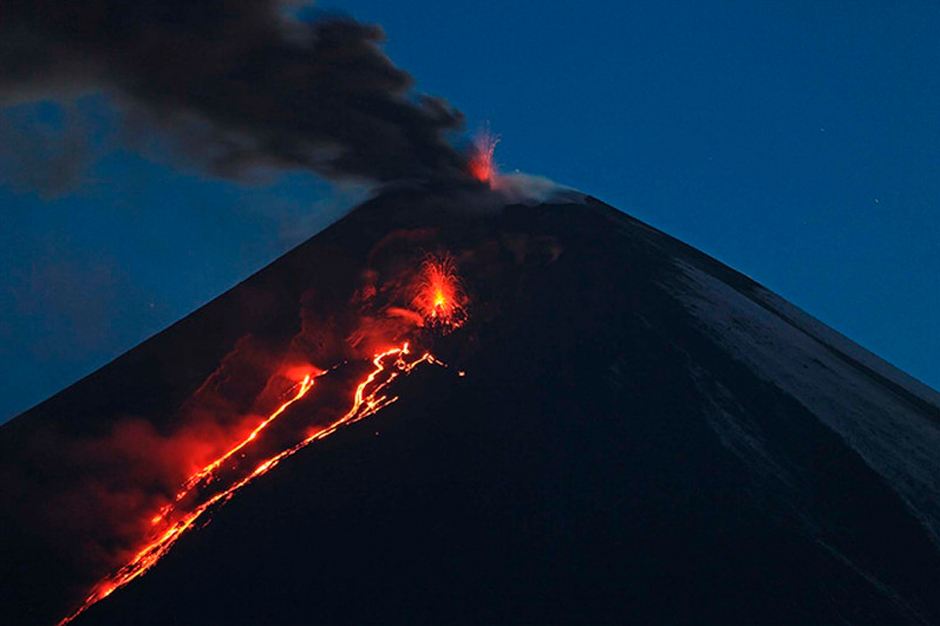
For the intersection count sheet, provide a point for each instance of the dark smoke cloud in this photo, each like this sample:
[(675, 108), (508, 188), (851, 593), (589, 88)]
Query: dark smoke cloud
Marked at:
[(236, 84)]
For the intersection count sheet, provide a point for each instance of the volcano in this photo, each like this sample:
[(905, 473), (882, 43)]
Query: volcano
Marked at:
[(495, 412)]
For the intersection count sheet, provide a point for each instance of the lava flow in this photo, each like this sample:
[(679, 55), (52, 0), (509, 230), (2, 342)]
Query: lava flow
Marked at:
[(370, 397), (440, 301), (206, 472)]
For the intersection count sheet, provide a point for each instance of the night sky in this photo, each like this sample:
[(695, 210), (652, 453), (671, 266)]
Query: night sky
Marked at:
[(799, 142)]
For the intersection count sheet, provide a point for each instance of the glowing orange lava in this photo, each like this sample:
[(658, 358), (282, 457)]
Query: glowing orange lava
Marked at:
[(206, 472), (481, 162), (439, 295), (199, 497)]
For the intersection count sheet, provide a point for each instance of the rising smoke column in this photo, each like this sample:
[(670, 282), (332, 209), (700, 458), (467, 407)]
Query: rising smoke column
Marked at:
[(236, 84)]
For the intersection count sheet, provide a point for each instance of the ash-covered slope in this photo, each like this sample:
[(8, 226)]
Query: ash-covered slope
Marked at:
[(642, 435)]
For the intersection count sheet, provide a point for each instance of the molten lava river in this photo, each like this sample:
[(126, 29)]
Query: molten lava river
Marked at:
[(437, 307)]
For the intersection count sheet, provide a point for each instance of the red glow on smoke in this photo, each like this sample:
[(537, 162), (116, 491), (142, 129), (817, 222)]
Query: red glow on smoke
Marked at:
[(481, 162), (282, 432)]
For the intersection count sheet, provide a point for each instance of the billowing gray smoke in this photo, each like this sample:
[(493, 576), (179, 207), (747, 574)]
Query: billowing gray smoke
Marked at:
[(236, 84)]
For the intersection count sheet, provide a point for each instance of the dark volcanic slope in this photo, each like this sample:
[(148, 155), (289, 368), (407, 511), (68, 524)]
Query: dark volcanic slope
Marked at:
[(643, 436)]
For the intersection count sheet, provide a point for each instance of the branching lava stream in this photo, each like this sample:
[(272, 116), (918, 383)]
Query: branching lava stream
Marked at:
[(217, 482)]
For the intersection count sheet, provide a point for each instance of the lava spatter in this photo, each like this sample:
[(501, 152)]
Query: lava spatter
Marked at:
[(439, 296), (481, 164)]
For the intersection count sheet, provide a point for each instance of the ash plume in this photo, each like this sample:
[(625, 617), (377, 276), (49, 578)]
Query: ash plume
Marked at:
[(236, 85)]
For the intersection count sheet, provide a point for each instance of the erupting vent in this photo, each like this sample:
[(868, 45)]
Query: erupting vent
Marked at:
[(440, 302), (440, 297), (481, 163)]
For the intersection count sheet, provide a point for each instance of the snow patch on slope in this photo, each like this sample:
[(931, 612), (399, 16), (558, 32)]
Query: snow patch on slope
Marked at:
[(897, 439), (843, 344)]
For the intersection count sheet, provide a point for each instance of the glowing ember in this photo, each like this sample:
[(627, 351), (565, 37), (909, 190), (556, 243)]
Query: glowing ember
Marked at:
[(481, 162), (440, 297)]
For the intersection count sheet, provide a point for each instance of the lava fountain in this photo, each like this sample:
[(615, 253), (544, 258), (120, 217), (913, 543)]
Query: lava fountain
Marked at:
[(439, 295), (481, 164)]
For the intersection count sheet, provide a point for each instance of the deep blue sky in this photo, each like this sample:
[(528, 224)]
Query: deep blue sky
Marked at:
[(798, 142)]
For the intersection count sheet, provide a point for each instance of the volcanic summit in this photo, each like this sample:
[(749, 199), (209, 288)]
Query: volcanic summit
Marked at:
[(454, 407)]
